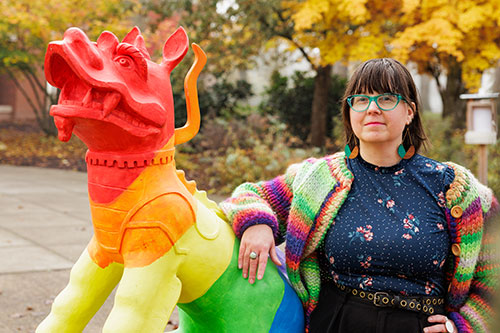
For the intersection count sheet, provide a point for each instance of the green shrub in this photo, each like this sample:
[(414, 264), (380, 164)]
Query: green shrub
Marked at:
[(221, 99), (228, 153), (292, 101)]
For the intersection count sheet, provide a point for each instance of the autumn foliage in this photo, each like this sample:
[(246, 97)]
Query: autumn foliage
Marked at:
[(26, 28)]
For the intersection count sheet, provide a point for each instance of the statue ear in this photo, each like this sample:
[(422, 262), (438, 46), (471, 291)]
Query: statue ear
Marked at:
[(107, 42), (135, 38), (175, 48), (131, 36)]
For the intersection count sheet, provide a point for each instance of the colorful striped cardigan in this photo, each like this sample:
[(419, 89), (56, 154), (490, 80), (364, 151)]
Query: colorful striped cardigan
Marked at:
[(301, 205)]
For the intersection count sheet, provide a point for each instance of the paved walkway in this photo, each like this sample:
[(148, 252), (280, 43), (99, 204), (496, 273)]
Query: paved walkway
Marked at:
[(44, 226)]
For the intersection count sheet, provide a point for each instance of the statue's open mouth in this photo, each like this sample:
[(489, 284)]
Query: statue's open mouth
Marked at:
[(79, 99)]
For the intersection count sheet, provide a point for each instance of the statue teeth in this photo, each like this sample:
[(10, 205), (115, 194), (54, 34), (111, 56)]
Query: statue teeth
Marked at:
[(110, 102), (87, 100)]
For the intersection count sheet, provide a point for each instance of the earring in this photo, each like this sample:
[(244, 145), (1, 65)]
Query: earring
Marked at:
[(351, 153), (402, 152)]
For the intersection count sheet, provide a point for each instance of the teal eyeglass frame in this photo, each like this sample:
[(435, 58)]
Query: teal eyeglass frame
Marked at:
[(374, 99)]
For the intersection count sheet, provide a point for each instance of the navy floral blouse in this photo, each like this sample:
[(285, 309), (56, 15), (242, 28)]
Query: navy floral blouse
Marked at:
[(391, 232)]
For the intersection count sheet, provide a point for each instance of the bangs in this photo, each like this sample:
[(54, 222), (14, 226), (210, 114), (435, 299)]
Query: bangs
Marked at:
[(378, 76)]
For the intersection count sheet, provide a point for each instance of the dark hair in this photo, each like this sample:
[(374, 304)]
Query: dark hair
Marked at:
[(381, 76)]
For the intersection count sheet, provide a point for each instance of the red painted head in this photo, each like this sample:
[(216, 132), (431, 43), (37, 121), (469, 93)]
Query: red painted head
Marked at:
[(113, 96)]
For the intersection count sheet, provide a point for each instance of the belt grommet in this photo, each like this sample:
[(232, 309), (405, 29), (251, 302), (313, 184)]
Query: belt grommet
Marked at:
[(428, 301), (434, 301), (354, 292), (419, 306), (403, 303), (425, 308), (412, 305), (370, 296), (362, 294), (385, 300), (431, 310)]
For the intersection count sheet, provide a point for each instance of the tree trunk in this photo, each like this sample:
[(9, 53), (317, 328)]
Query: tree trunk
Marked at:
[(453, 106), (320, 106)]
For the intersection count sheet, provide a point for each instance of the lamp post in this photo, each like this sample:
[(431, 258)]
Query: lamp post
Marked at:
[(481, 127)]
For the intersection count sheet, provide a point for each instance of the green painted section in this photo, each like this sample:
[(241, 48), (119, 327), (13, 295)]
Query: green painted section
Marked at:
[(234, 305)]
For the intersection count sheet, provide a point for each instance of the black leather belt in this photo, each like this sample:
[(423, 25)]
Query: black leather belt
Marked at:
[(425, 304)]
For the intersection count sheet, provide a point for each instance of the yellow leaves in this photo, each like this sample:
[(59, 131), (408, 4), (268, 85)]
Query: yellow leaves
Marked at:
[(347, 12), (27, 26), (410, 5), (342, 30), (472, 18), (422, 31), (354, 10), (437, 30), (368, 46), (309, 13)]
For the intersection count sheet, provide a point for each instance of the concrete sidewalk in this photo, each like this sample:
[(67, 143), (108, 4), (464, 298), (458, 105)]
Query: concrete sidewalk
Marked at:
[(44, 226)]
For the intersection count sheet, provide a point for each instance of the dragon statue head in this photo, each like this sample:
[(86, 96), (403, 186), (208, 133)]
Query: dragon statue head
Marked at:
[(113, 96)]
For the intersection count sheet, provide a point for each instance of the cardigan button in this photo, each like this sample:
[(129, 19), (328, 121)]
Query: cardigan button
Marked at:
[(456, 212), (455, 249)]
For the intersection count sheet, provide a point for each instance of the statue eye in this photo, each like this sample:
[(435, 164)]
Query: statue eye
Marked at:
[(125, 61)]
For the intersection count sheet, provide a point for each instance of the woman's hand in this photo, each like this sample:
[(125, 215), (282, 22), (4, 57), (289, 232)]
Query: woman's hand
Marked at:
[(259, 239), (440, 326)]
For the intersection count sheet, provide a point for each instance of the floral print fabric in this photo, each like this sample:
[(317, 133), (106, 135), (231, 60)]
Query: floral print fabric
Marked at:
[(391, 232)]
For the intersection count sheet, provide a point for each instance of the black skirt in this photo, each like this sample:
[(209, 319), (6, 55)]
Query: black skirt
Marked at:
[(338, 311)]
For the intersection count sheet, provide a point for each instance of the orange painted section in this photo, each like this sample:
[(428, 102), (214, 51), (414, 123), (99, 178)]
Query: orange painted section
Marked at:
[(145, 220)]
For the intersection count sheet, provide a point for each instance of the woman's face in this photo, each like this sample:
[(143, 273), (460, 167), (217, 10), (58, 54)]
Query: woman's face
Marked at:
[(375, 126)]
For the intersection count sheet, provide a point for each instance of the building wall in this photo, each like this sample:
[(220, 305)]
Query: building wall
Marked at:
[(13, 97), (7, 97)]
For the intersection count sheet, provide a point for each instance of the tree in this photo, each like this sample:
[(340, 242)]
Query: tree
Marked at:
[(228, 49), (458, 38), (26, 28), (233, 35), (324, 32), (289, 97)]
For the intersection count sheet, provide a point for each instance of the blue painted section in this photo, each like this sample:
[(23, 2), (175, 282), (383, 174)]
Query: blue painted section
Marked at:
[(289, 317)]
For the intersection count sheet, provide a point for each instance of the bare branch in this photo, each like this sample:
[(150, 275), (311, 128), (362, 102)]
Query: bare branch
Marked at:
[(34, 86)]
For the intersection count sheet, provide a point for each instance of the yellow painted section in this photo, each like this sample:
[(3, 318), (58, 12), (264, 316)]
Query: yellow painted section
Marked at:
[(147, 295), (88, 288), (207, 258)]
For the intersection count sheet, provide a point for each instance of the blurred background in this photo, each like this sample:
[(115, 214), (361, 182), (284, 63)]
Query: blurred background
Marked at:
[(270, 93)]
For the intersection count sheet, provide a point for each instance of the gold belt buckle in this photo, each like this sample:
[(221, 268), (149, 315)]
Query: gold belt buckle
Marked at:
[(381, 296)]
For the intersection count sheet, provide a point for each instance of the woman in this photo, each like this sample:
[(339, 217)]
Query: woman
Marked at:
[(380, 238)]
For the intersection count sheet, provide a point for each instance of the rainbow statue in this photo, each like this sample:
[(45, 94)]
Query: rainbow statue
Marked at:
[(155, 234)]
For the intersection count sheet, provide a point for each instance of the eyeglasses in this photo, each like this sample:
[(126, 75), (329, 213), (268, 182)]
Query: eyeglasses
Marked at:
[(385, 102)]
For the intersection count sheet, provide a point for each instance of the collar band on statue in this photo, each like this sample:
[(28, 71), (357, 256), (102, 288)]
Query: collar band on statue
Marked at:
[(130, 161)]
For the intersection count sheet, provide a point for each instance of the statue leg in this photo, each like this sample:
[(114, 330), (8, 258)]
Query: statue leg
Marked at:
[(146, 297), (89, 286)]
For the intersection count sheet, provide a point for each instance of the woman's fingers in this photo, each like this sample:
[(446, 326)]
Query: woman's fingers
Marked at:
[(440, 325), (274, 256), (262, 265), (257, 240), (437, 319), (435, 328), (246, 262), (253, 267), (241, 253)]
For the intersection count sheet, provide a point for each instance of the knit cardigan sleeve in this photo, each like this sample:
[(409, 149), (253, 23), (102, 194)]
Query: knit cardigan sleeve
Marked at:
[(266, 202), (475, 313)]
